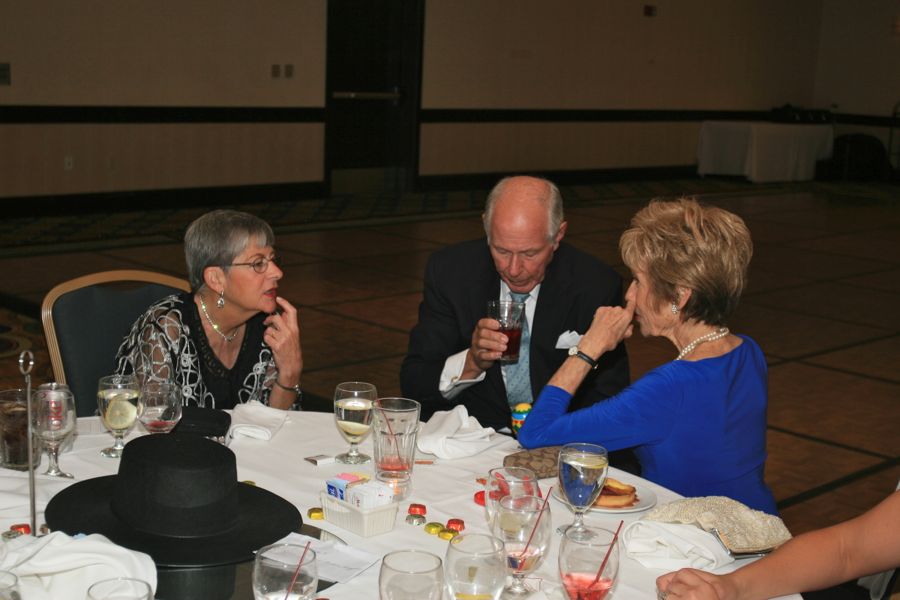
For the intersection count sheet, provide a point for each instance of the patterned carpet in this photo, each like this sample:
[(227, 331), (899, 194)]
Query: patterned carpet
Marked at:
[(29, 236)]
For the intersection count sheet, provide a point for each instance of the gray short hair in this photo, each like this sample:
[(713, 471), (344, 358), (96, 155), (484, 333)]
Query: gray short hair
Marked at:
[(555, 215), (216, 238)]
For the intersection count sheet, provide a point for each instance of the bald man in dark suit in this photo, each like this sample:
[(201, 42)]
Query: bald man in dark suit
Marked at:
[(454, 349)]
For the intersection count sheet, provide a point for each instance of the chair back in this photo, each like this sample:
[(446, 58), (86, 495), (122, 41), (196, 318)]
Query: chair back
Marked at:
[(86, 319)]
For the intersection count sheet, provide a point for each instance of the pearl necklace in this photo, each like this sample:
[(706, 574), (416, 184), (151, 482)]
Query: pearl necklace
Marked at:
[(709, 337), (215, 325)]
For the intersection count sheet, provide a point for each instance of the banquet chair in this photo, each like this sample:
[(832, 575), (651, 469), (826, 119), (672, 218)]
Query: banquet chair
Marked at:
[(85, 320)]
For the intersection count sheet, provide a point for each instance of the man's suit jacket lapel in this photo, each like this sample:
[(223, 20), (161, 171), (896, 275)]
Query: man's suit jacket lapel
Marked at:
[(549, 319)]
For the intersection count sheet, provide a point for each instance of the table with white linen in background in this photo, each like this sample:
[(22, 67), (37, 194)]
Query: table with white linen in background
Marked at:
[(446, 487), (763, 151)]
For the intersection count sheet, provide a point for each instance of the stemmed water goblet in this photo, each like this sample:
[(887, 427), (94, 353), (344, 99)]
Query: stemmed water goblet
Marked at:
[(118, 398), (161, 402), (508, 481), (353, 414), (523, 525), (582, 473), (54, 422), (475, 566), (411, 575), (588, 563)]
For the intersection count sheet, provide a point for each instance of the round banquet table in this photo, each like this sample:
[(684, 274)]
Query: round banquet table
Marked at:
[(446, 487)]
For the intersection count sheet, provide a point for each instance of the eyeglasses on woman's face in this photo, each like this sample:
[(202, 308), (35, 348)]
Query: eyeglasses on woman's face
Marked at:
[(259, 265)]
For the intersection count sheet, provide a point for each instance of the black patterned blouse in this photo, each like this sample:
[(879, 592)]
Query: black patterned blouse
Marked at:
[(167, 343)]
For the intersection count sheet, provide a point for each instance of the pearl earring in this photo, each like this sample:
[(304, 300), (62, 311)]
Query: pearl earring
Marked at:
[(674, 309), (221, 301)]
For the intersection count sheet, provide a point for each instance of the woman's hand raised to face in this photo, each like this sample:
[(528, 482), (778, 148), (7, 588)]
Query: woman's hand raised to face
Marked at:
[(611, 325), (283, 337)]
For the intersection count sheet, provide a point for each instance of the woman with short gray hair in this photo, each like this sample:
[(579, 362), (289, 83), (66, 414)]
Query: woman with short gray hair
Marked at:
[(232, 339)]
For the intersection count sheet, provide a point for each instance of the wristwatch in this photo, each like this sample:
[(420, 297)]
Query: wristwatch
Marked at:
[(574, 351)]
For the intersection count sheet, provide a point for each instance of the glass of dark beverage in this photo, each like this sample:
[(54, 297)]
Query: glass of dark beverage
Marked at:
[(510, 315), (14, 432)]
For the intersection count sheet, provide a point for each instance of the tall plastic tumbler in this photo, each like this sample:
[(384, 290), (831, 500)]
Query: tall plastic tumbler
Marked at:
[(396, 423)]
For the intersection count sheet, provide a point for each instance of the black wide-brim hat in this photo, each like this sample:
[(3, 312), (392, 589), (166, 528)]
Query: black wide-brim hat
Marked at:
[(176, 498)]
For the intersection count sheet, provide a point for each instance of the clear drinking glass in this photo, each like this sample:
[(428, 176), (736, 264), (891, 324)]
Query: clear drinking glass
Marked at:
[(410, 575), (395, 429), (279, 574), (353, 414), (475, 566), (121, 588), (118, 398), (581, 555), (9, 586), (54, 421), (508, 481), (582, 473), (161, 402), (523, 524)]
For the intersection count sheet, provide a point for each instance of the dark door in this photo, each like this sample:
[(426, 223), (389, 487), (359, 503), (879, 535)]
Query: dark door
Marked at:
[(373, 81)]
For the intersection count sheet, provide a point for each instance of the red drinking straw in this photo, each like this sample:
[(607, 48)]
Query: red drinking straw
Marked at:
[(297, 572), (608, 551), (534, 529), (390, 429)]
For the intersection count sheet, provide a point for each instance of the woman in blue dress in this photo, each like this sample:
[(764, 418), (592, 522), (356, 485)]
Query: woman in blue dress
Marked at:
[(698, 422)]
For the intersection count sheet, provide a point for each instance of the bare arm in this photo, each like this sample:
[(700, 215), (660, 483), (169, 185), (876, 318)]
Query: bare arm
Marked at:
[(818, 559)]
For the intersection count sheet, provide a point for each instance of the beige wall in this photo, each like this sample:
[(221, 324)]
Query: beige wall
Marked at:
[(212, 53), (505, 54), (604, 54), (76, 158), (859, 57), (449, 148), (163, 52)]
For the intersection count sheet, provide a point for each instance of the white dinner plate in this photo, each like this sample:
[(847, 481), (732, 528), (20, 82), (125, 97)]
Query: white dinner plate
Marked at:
[(646, 499)]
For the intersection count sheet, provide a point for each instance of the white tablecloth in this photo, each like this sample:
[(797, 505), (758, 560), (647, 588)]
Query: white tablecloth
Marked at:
[(763, 151), (446, 487)]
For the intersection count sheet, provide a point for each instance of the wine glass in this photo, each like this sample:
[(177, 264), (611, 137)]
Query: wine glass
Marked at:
[(161, 403), (475, 566), (353, 414), (118, 397), (120, 588), (582, 473), (508, 481), (523, 524), (410, 575), (285, 571), (54, 421), (581, 555)]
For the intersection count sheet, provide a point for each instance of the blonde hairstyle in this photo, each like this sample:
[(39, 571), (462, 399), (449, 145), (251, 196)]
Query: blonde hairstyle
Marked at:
[(682, 243)]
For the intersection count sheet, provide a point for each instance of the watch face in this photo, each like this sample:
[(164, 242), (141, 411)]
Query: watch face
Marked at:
[(573, 350)]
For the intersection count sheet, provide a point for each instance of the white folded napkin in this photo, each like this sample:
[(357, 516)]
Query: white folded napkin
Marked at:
[(567, 339), (454, 434), (672, 546), (256, 420), (58, 566)]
